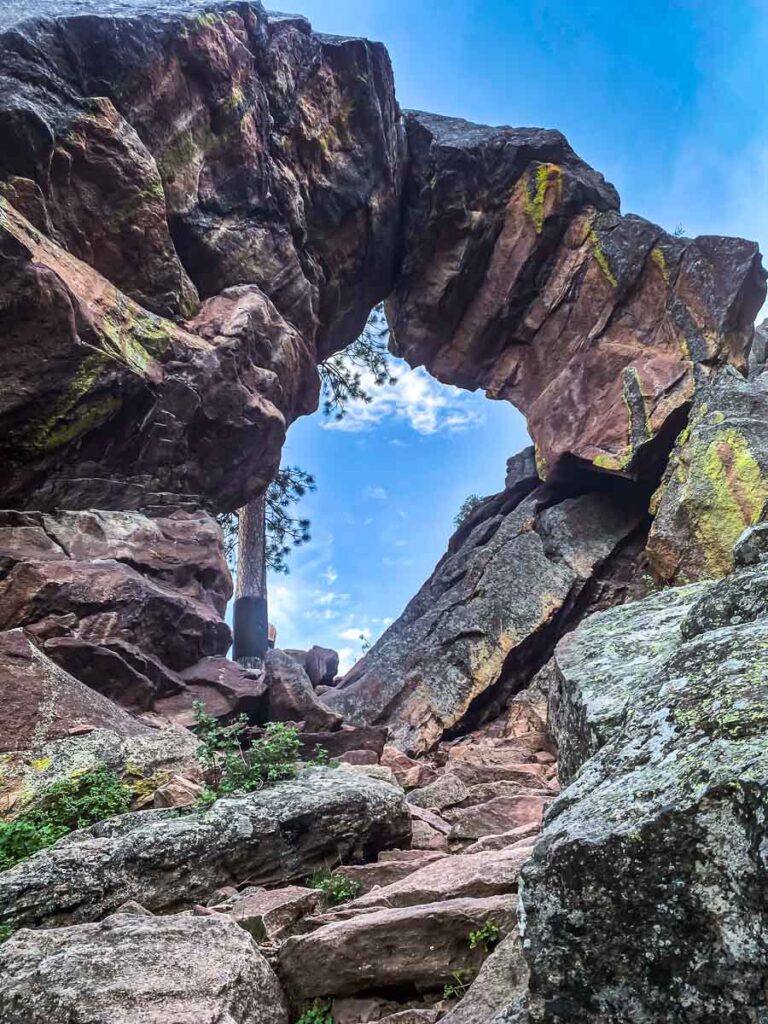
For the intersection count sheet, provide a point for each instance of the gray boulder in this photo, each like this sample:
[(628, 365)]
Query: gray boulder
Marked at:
[(645, 898), (134, 969), (167, 861)]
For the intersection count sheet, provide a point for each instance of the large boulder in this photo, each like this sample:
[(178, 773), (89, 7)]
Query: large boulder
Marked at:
[(165, 861), (716, 482), (52, 726), (419, 946), (135, 969), (521, 277), (477, 629), (645, 897), (160, 156), (290, 696), (42, 703)]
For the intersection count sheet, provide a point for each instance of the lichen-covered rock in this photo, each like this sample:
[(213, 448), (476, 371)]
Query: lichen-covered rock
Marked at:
[(590, 697), (486, 612), (521, 277), (168, 861), (716, 483), (135, 969), (645, 897)]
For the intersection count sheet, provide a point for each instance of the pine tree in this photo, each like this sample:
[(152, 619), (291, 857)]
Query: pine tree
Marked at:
[(265, 530)]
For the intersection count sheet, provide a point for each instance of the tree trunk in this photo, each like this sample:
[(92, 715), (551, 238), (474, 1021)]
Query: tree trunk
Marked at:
[(250, 614)]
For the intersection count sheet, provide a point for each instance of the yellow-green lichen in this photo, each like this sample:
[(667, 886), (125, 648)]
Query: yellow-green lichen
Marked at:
[(541, 462), (736, 490), (658, 258), (40, 764), (77, 411), (601, 259), (612, 463), (547, 175)]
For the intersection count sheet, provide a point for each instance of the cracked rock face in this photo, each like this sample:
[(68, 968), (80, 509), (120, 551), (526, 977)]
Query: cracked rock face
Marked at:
[(489, 609), (656, 851)]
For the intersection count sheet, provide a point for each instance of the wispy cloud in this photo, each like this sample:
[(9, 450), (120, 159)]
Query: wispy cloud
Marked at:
[(417, 399), (377, 493)]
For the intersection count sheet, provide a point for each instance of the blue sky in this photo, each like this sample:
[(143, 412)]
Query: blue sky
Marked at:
[(668, 100)]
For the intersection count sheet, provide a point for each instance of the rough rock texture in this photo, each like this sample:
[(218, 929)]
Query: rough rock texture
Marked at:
[(41, 702), (716, 483), (270, 915), (521, 277), (590, 697), (501, 987), (170, 153), (320, 663), (477, 627), (645, 897), (167, 862), (125, 602), (135, 970), (291, 697), (419, 946)]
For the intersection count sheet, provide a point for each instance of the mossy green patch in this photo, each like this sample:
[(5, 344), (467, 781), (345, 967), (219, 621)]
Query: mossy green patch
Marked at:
[(737, 491), (658, 258), (547, 176)]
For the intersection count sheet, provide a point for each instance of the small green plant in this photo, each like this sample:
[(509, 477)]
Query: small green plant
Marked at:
[(61, 807), (6, 931), (335, 887), (457, 988), (318, 1013), (487, 937), (229, 767)]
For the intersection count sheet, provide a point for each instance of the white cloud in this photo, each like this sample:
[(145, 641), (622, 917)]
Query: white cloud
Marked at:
[(417, 399), (347, 658), (355, 633), (330, 575), (377, 493)]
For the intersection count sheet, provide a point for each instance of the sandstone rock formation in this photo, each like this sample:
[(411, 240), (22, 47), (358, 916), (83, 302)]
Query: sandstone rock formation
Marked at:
[(230, 149), (199, 202), (521, 277)]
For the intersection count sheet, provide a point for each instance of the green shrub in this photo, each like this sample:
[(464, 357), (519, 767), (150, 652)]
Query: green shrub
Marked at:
[(457, 988), (61, 807), (318, 1013), (487, 937), (335, 887), (6, 931), (229, 768)]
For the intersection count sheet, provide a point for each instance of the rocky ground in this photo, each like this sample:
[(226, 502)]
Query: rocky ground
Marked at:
[(212, 914), (199, 203)]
